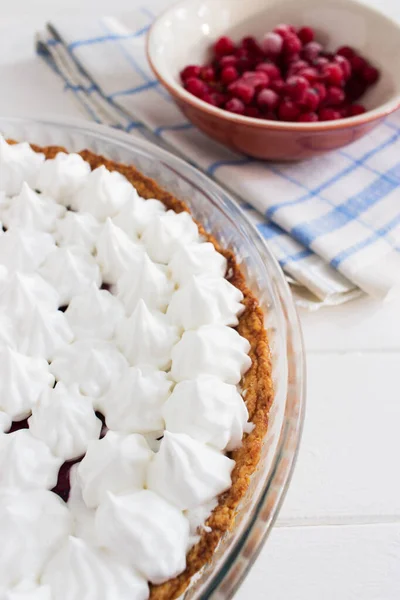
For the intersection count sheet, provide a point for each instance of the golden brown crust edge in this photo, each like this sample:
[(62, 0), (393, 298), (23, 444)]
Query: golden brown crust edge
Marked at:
[(257, 383)]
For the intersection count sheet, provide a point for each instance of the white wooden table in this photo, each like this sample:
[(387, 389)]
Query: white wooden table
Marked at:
[(338, 534)]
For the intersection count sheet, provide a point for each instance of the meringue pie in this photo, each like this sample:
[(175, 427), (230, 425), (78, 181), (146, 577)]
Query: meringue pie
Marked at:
[(135, 385)]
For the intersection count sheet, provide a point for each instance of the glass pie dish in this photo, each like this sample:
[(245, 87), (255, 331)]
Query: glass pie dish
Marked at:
[(219, 214)]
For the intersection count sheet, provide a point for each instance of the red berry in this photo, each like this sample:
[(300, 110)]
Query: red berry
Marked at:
[(344, 110), (271, 70), (288, 110), (321, 90), (267, 99), (230, 60), (328, 114), (296, 87), (235, 105), (311, 99), (244, 61), (242, 90), (284, 29), (356, 109), (346, 51), (291, 44), (196, 86), (306, 34), (229, 74), (308, 117), (272, 44), (334, 95), (252, 111), (224, 45), (219, 99), (190, 71), (358, 63), (258, 79), (320, 62), (207, 73), (296, 66), (311, 50), (370, 75), (209, 98), (251, 45), (289, 59), (333, 74), (310, 74), (355, 88), (278, 86), (345, 65)]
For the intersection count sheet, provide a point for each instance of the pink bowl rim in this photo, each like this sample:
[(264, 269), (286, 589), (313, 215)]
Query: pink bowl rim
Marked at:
[(178, 92)]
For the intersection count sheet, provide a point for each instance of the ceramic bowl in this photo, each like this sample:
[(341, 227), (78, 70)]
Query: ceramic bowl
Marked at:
[(185, 32)]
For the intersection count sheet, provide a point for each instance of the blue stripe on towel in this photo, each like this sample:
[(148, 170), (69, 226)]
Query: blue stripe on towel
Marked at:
[(135, 90), (350, 210), (178, 127), (329, 182), (110, 37), (379, 233)]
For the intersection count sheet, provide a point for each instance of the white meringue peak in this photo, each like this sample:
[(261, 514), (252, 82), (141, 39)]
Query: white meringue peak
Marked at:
[(115, 251), (92, 364), (197, 518), (22, 292), (31, 210), (78, 571), (205, 300), (137, 214), (209, 410), (188, 473), (77, 229), (147, 337), (94, 314), (60, 177), (44, 333), (146, 531), (196, 259), (83, 523), (65, 421), (34, 523), (163, 234), (3, 275), (5, 422), (26, 462), (7, 332), (117, 463), (70, 270), (134, 403), (213, 350), (27, 591), (18, 163), (144, 280), (24, 250), (4, 202), (23, 380), (103, 193), (153, 438)]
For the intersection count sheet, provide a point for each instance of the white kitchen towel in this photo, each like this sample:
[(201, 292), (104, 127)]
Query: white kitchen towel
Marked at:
[(333, 222)]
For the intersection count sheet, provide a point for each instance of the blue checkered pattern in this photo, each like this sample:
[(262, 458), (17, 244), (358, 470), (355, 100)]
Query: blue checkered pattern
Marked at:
[(333, 222)]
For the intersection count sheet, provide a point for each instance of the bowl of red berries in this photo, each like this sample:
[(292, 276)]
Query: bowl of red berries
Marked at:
[(278, 79)]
